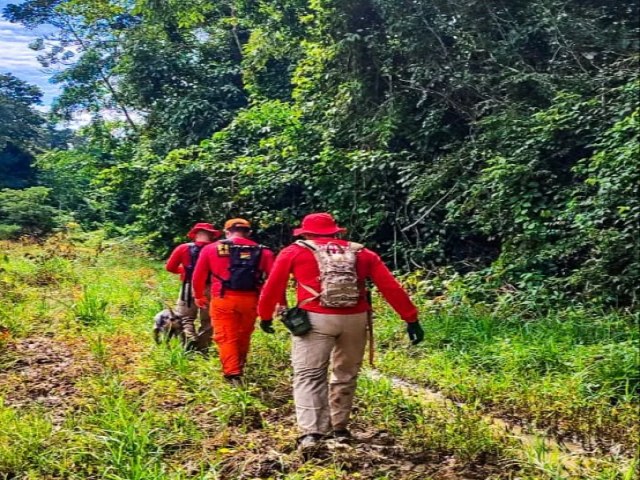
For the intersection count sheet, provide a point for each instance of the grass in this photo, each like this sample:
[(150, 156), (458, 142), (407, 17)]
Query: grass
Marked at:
[(575, 372), (134, 410)]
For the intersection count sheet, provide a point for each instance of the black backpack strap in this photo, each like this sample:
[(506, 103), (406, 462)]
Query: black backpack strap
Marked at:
[(260, 273), (223, 281), (194, 254), (308, 245), (259, 256), (186, 294)]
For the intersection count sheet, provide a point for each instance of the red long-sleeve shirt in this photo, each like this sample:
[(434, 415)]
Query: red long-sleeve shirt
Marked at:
[(218, 266), (180, 259), (301, 262)]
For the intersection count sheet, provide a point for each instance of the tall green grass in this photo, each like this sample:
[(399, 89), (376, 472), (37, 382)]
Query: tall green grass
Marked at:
[(574, 371), (155, 412)]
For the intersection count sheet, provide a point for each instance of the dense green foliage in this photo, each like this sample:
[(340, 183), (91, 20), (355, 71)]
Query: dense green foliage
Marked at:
[(97, 179), (27, 212), (493, 140), (19, 130), (25, 209)]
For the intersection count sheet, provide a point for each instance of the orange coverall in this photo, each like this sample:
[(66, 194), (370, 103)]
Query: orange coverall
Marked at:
[(233, 313)]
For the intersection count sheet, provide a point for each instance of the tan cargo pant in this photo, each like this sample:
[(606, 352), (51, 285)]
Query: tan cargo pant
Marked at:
[(189, 313), (341, 340)]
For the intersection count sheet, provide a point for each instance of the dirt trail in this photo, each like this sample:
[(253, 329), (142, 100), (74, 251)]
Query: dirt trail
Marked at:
[(44, 371), (569, 455), (269, 453)]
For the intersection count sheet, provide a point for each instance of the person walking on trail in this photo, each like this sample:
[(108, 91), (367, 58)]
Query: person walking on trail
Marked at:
[(182, 262), (331, 275), (237, 267)]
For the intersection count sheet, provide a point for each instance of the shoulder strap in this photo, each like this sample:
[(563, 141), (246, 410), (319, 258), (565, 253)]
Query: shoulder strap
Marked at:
[(356, 247), (309, 245), (241, 245), (258, 256), (310, 290), (194, 253)]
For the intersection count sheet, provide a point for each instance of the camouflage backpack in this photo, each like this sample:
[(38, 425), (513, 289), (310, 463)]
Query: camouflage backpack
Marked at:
[(339, 286)]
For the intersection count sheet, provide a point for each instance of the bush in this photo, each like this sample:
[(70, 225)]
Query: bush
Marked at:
[(8, 232), (27, 212)]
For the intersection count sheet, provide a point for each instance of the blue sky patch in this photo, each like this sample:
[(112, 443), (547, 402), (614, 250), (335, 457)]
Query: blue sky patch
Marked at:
[(17, 58)]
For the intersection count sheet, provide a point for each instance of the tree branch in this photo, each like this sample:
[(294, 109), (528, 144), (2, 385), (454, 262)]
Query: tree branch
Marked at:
[(430, 209), (105, 80)]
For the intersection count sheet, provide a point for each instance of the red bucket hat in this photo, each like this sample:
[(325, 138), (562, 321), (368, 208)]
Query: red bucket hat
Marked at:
[(318, 224), (207, 227)]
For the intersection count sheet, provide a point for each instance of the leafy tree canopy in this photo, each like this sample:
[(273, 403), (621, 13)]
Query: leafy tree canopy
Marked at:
[(491, 141), (20, 129)]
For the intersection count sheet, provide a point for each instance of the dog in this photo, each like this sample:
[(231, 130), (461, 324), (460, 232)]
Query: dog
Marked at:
[(169, 325)]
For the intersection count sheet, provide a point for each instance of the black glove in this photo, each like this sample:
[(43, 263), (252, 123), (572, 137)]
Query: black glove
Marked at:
[(267, 326), (415, 332)]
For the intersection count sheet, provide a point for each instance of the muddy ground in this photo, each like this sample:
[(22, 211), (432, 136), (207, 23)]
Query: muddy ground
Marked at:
[(44, 372)]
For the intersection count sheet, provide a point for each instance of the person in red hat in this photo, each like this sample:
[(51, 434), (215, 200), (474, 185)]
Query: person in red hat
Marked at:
[(182, 262), (237, 266), (331, 275)]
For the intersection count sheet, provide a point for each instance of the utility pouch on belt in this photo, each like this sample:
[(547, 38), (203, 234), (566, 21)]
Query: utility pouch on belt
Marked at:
[(296, 320)]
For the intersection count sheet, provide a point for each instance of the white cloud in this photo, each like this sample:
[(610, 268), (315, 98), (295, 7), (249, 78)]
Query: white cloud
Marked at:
[(83, 118), (18, 59), (79, 120), (14, 26)]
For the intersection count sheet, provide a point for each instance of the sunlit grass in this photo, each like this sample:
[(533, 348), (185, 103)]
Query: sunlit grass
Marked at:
[(573, 371), (156, 412)]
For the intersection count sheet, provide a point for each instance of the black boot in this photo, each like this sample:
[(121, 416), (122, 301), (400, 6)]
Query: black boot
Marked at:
[(310, 445), (235, 380), (342, 436)]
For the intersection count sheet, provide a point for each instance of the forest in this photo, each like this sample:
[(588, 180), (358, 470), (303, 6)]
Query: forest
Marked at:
[(488, 150)]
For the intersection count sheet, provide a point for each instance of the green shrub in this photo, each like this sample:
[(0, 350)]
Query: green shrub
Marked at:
[(29, 209), (8, 232), (90, 309), (23, 438)]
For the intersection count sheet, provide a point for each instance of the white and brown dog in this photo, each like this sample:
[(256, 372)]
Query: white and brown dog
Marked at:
[(168, 325)]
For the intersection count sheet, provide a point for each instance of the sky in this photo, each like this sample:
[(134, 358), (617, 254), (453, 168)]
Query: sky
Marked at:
[(17, 58)]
